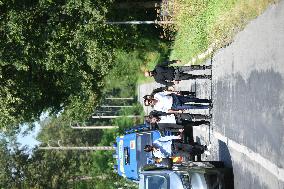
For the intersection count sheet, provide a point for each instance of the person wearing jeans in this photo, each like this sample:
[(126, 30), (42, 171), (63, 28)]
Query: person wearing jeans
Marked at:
[(173, 103)]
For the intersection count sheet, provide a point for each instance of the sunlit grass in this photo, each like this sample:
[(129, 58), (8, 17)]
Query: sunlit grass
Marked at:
[(200, 23), (150, 59)]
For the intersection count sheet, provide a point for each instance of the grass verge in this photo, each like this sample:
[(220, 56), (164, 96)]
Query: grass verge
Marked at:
[(202, 23)]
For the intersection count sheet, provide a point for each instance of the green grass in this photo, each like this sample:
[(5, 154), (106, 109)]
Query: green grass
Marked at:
[(200, 23), (129, 66), (129, 70), (158, 53)]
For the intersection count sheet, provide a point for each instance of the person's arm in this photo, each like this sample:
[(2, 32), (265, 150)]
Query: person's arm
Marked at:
[(169, 62), (168, 138), (171, 88), (171, 92), (175, 111), (167, 90), (157, 90), (176, 82), (163, 81), (156, 113)]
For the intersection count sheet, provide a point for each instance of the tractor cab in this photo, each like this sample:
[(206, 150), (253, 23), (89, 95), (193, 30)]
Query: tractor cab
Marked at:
[(130, 155)]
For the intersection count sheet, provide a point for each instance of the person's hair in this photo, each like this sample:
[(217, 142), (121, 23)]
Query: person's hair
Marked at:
[(154, 116), (147, 102), (147, 97), (148, 148), (147, 119)]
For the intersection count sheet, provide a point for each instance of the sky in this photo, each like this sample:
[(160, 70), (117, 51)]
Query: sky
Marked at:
[(29, 138)]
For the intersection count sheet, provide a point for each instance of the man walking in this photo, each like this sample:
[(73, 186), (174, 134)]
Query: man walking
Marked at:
[(170, 75)]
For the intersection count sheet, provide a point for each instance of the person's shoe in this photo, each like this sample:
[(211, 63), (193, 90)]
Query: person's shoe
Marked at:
[(209, 101), (207, 77), (207, 123), (208, 116), (207, 67)]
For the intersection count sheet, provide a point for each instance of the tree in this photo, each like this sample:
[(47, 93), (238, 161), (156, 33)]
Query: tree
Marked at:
[(13, 164), (41, 169), (56, 169), (138, 4), (54, 56)]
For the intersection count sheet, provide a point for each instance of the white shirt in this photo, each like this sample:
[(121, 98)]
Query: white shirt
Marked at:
[(168, 119), (164, 145), (164, 102)]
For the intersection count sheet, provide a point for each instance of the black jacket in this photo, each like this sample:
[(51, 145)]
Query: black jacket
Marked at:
[(164, 74)]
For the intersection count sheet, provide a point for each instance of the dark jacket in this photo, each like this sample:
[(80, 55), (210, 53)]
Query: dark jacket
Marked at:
[(164, 74)]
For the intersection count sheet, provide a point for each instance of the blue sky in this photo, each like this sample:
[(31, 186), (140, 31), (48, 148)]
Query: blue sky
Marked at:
[(29, 138)]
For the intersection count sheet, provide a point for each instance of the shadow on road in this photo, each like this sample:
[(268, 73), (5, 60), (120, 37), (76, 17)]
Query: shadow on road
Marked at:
[(224, 154), (225, 157)]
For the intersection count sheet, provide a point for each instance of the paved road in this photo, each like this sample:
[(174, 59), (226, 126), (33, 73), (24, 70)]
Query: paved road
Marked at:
[(247, 130), (249, 99)]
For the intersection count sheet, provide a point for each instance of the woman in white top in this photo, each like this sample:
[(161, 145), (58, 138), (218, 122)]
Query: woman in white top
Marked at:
[(172, 103)]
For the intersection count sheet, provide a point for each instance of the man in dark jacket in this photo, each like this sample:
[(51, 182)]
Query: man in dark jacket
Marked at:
[(170, 75)]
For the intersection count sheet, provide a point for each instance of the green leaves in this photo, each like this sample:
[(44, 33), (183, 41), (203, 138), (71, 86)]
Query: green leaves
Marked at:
[(53, 52)]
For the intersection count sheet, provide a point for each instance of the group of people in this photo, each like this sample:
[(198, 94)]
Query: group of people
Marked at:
[(170, 107)]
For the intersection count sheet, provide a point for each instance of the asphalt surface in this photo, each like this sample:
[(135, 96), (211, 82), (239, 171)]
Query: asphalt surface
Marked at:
[(248, 93), (247, 130)]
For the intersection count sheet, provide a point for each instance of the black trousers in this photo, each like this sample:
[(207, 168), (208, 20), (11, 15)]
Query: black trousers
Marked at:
[(179, 100), (163, 126), (192, 68), (181, 75), (187, 150), (185, 116)]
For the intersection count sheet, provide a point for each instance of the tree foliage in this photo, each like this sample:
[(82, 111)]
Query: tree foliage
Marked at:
[(53, 55), (63, 169), (42, 169)]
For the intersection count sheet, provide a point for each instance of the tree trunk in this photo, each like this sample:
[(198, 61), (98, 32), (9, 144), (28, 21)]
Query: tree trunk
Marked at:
[(94, 127), (141, 22), (110, 117), (80, 178), (112, 106), (118, 98), (83, 148), (140, 5)]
